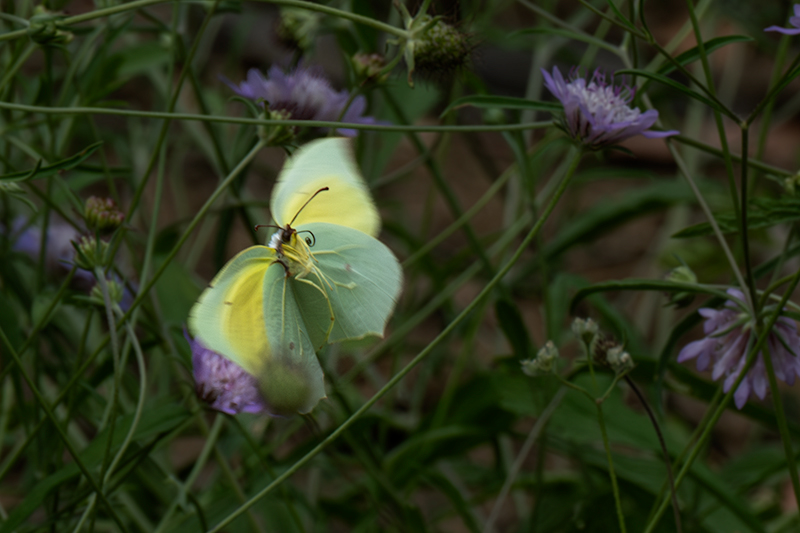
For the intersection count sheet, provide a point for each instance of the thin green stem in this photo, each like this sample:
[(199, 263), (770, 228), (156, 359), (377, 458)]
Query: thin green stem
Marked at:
[(267, 122), (61, 432), (487, 289), (780, 415), (611, 473), (536, 430), (743, 228)]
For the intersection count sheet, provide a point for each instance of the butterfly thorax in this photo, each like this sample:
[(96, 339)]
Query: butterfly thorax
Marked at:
[(294, 253)]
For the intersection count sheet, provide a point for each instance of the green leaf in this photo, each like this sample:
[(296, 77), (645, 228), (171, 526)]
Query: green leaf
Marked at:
[(604, 216), (505, 102), (65, 164), (693, 55), (763, 213)]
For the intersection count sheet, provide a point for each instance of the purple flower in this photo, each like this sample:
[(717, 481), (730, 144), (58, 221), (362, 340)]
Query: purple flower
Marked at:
[(223, 384), (597, 114), (59, 253), (729, 337), (304, 94), (794, 21)]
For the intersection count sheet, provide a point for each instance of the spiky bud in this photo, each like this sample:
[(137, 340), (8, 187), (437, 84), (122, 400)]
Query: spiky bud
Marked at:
[(102, 215), (442, 49), (116, 292)]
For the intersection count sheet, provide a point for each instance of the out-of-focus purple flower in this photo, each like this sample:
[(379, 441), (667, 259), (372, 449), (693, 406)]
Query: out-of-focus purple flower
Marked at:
[(598, 114), (59, 252), (729, 337), (223, 384), (794, 21), (304, 94)]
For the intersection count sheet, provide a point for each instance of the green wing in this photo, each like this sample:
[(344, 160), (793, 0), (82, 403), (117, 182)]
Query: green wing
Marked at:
[(362, 280), (291, 380), (249, 315)]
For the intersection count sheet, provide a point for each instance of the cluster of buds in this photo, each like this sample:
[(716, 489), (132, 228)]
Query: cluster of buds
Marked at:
[(612, 355), (102, 214), (116, 292), (91, 252), (586, 330), (543, 362)]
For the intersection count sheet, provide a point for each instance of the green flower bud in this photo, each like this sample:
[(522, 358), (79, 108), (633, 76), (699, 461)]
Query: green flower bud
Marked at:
[(442, 48), (115, 292), (681, 274), (297, 28), (368, 67), (43, 28), (102, 215), (278, 134), (90, 252)]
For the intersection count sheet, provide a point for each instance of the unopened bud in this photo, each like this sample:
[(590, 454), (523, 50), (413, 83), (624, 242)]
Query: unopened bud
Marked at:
[(115, 292), (619, 360), (442, 48), (297, 28), (90, 252), (102, 215), (43, 28), (368, 67), (681, 274)]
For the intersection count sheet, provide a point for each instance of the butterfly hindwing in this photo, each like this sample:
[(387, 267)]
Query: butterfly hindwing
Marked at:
[(361, 277), (291, 378)]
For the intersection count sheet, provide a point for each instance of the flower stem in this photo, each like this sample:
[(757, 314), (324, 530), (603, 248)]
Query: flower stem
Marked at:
[(663, 444), (614, 487)]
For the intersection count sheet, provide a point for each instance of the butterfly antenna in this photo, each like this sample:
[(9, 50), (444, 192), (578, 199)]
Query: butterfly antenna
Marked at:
[(313, 238), (307, 202)]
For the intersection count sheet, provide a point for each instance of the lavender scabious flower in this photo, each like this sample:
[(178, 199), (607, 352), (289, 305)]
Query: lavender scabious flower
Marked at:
[(304, 94), (729, 336), (223, 384), (597, 114), (59, 253), (794, 21)]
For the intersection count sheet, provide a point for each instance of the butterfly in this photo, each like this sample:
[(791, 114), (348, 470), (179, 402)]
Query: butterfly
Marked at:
[(321, 278)]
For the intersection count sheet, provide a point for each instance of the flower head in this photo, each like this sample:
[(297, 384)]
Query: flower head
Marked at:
[(543, 362), (223, 384), (102, 214), (597, 114), (304, 94), (794, 21), (729, 336), (59, 253)]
